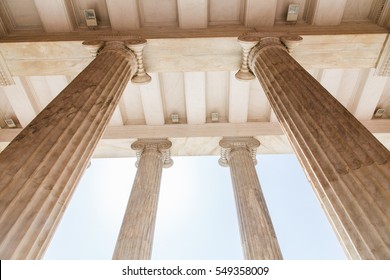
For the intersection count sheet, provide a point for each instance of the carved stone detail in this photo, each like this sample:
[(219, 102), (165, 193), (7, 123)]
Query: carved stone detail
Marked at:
[(247, 42), (383, 66), (230, 144), (291, 42), (93, 47), (161, 146), (137, 46), (250, 40), (5, 74)]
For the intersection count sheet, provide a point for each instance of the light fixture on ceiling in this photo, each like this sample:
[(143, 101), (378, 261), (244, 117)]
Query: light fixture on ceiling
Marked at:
[(175, 118), (90, 17), (292, 13), (10, 123), (379, 113)]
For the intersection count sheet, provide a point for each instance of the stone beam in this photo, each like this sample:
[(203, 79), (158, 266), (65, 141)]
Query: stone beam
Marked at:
[(377, 127), (193, 54)]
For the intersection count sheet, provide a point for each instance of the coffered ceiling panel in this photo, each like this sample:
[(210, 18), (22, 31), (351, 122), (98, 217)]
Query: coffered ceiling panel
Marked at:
[(228, 11), (217, 97), (172, 89), (131, 105), (54, 15), (357, 10), (22, 14), (158, 12), (259, 107)]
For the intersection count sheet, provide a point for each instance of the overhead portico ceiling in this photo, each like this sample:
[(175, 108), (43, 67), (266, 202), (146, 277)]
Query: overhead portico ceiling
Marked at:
[(67, 15), (192, 54)]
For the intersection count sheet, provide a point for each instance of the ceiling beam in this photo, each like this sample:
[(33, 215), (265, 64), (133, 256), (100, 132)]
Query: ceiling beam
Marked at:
[(193, 54), (378, 126)]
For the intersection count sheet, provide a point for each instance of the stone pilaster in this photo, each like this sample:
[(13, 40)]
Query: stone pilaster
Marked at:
[(258, 237), (135, 239), (42, 165), (348, 167)]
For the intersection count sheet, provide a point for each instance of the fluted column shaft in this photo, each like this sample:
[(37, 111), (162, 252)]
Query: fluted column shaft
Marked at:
[(258, 236), (41, 166), (348, 167), (135, 239)]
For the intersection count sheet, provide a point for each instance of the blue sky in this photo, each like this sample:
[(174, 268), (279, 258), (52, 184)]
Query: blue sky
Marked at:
[(196, 218)]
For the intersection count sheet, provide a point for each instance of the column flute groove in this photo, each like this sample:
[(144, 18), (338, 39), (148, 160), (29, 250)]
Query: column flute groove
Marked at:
[(45, 161), (347, 166)]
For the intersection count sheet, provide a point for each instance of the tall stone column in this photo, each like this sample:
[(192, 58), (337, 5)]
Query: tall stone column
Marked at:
[(347, 166), (258, 236), (135, 239), (42, 165)]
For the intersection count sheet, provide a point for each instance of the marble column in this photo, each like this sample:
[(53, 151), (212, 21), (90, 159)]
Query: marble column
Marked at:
[(42, 165), (135, 239), (347, 166), (258, 236)]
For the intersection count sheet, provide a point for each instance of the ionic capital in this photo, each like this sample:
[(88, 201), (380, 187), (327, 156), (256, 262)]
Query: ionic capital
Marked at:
[(230, 144), (159, 146), (291, 42), (137, 46), (93, 47), (253, 43), (247, 42)]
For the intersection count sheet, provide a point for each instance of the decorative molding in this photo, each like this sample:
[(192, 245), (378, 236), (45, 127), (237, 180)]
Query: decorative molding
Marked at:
[(380, 13), (247, 42), (230, 144), (161, 146), (376, 10), (250, 40), (5, 74), (93, 46), (383, 65), (137, 46), (291, 42)]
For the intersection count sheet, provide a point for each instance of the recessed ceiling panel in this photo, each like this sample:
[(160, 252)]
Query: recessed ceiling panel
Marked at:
[(227, 11), (158, 12), (23, 14), (357, 10), (259, 107)]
